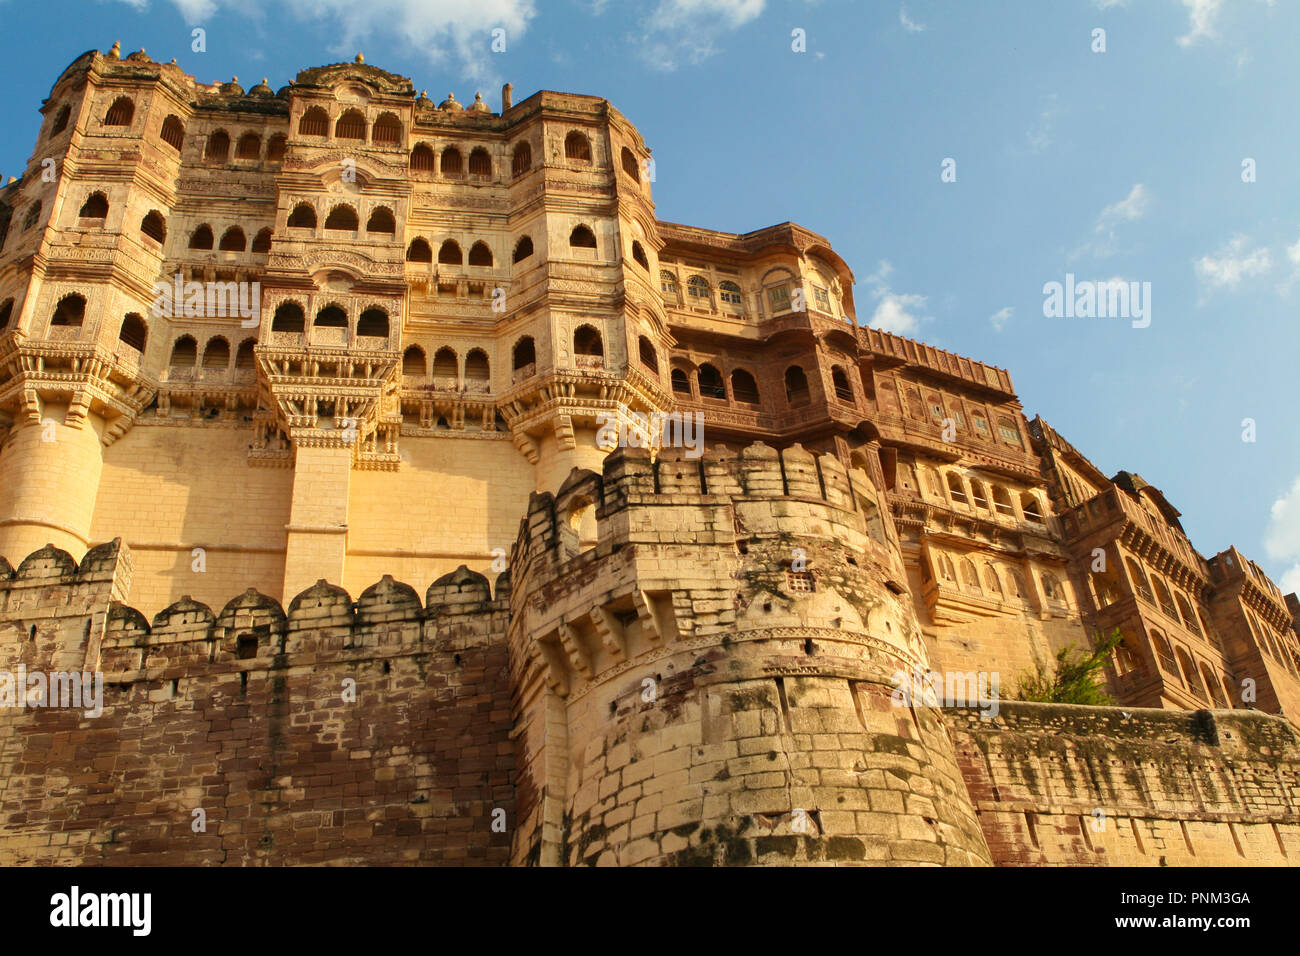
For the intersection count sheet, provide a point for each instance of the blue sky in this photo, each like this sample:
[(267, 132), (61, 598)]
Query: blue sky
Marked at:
[(1124, 164)]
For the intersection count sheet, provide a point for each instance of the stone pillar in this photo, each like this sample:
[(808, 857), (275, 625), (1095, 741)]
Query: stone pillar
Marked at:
[(49, 479), (317, 542)]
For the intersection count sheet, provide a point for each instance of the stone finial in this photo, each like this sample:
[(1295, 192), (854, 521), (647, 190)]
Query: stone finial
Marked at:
[(116, 52), (478, 106), (450, 103), (507, 96), (234, 79), (360, 58)]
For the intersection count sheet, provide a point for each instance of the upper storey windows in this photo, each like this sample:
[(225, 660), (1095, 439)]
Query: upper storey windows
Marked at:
[(577, 148), (121, 112)]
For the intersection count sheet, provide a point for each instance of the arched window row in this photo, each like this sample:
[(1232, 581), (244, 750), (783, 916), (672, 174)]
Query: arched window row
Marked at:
[(233, 239), (988, 497), (372, 322), (379, 219), (447, 369), (700, 293), (352, 125), (473, 164), (450, 253)]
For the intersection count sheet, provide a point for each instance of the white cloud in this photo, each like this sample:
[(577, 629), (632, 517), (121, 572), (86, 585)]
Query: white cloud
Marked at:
[(1233, 262), (1293, 256), (1129, 209), (999, 318), (1202, 15), (1282, 537), (440, 29), (910, 25), (685, 31), (897, 312), (1039, 136)]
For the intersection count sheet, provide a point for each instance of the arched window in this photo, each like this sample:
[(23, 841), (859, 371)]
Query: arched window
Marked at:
[(6, 313), (991, 579), (120, 113), (729, 293), (218, 148), (523, 249), (969, 579), (522, 160), (201, 238), (244, 358), (955, 490), (288, 318), (373, 322), (314, 122), (1029, 507), (1051, 587), (1002, 502), (275, 148), (667, 283), (946, 569), (185, 352), (61, 121), (647, 354), (387, 130), (480, 254), (697, 287), (480, 163), (351, 124), (331, 317), (71, 310), (681, 382), (476, 366), (796, 386), (1016, 583), (630, 165), (977, 495), (743, 387), (33, 216), (1165, 599), (233, 240), (134, 332), (250, 147), (1190, 676), (1140, 582), (582, 238), (524, 353), (422, 159), (382, 220), (216, 354), (303, 216), (449, 254), (639, 257), (419, 251), (344, 218), (1165, 654), (413, 365), (452, 162), (577, 147), (173, 132), (1186, 613), (711, 384), (446, 364), (154, 226), (95, 207), (840, 380), (1009, 432), (1212, 685), (586, 341), (262, 241)]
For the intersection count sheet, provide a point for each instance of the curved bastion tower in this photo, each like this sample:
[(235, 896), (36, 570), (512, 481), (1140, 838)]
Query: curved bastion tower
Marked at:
[(343, 386)]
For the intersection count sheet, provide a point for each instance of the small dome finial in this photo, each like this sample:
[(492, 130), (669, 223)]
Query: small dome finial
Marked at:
[(264, 83), (116, 51), (234, 79), (360, 58)]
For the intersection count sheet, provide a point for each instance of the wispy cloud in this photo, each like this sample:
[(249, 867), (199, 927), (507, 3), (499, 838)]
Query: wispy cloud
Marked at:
[(441, 29), (1203, 16), (1000, 318), (678, 32), (1039, 136), (1129, 209), (898, 312), (1282, 536), (1234, 261), (910, 25)]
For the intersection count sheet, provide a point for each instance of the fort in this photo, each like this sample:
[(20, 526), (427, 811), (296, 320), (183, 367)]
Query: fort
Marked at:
[(370, 582)]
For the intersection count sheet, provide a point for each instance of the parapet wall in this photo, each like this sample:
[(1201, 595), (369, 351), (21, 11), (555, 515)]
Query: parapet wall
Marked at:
[(1056, 784), (366, 732)]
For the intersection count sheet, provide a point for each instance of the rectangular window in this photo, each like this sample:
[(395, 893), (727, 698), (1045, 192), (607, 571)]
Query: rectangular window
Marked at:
[(937, 411), (1009, 434), (821, 298), (981, 425), (779, 298)]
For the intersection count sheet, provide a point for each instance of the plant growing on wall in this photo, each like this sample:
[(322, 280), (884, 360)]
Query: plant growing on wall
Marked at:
[(1075, 678)]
